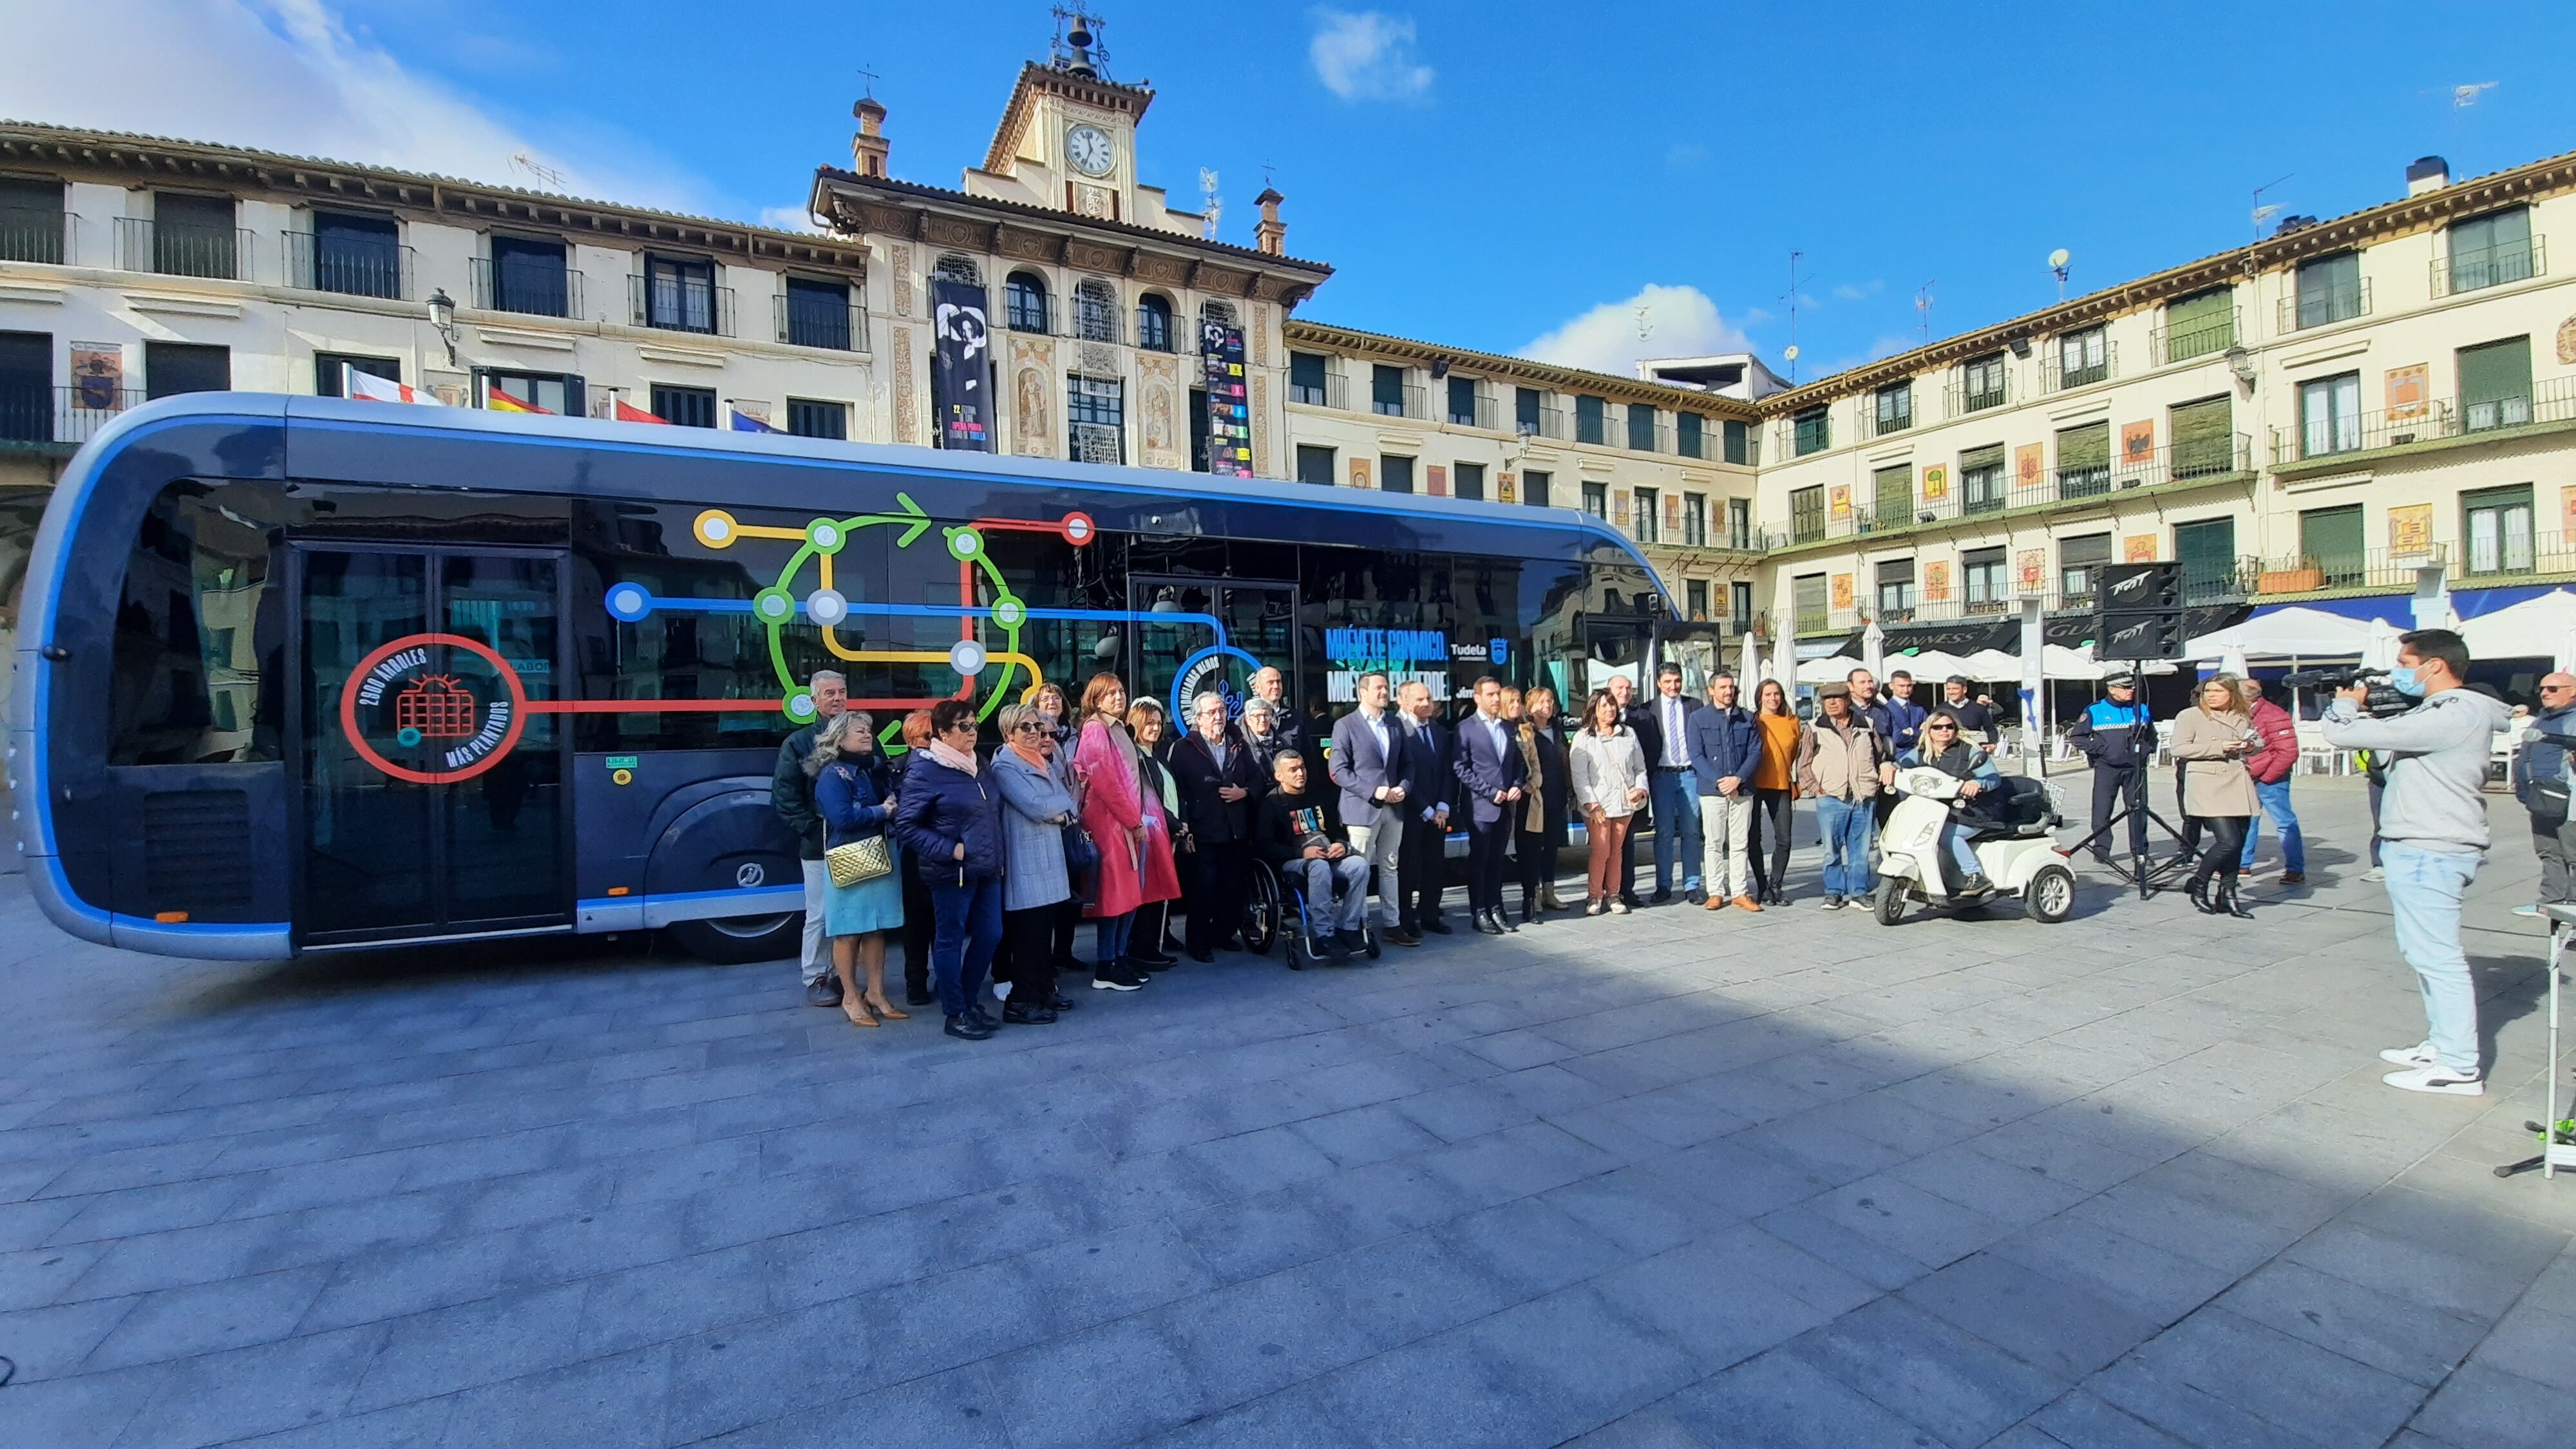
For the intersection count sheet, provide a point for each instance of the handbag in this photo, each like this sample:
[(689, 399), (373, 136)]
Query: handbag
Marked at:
[(1080, 854), (859, 861)]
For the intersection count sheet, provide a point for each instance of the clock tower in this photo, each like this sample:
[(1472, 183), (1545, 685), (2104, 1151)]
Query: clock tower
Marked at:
[(1067, 140)]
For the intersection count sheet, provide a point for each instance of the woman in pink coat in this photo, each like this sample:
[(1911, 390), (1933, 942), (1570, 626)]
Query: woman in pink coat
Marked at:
[(1125, 823)]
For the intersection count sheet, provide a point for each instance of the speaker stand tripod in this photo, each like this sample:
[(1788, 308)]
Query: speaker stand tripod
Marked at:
[(2142, 870)]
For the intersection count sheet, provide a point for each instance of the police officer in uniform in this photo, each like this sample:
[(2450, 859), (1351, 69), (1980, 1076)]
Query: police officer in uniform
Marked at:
[(2118, 736)]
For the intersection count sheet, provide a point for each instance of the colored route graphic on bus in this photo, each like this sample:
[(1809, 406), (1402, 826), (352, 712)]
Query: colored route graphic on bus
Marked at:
[(417, 719)]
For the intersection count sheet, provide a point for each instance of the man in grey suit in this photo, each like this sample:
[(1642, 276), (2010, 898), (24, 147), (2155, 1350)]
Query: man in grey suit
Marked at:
[(1368, 765), (1491, 774)]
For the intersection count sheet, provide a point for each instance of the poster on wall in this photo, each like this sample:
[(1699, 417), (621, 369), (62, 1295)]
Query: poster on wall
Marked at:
[(1360, 474), (1838, 502), (1936, 482), (2138, 442), (1510, 487), (2028, 460), (98, 376), (1229, 410), (2030, 569), (2138, 548), (2567, 510), (2407, 389), (1936, 582), (1435, 480), (1842, 592), (959, 365), (2410, 529)]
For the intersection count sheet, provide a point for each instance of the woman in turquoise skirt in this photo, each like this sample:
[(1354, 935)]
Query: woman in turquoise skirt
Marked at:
[(854, 793)]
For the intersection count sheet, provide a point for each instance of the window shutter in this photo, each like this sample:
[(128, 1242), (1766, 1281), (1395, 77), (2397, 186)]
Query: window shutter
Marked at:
[(1976, 458), (2202, 442), (1892, 492), (2495, 383), (2201, 323), (2084, 448), (2332, 537)]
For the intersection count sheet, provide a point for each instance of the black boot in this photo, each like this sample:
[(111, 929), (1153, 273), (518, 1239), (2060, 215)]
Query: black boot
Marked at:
[(2228, 902), (2198, 890)]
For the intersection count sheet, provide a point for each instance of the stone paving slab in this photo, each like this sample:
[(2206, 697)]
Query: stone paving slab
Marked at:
[(1675, 1179)]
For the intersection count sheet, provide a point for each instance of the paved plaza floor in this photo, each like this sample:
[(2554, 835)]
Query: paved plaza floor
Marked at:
[(1672, 1179)]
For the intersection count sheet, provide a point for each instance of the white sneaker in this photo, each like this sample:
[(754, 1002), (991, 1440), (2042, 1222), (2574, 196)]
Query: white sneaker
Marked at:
[(2436, 1079), (2419, 1055), (1618, 907), (2374, 875)]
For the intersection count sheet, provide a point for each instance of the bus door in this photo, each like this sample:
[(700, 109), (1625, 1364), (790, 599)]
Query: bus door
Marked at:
[(430, 771), (1613, 644), (1228, 630)]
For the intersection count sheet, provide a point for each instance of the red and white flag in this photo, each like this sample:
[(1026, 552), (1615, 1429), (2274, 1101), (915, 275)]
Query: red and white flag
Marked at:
[(367, 387), (626, 412)]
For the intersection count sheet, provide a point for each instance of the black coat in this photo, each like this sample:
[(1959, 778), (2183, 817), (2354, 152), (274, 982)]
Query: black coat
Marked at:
[(1431, 773), (1555, 786), (791, 793), (1212, 818)]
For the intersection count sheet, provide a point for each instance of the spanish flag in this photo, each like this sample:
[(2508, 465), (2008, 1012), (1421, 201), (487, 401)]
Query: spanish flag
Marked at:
[(626, 412), (502, 402)]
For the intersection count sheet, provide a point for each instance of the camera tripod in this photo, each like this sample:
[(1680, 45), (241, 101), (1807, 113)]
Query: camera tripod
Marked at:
[(2143, 869)]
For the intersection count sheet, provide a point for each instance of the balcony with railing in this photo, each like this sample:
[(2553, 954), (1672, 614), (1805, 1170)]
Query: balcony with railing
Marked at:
[(1335, 392), (1157, 331), (1964, 396), (29, 235), (1405, 400), (2207, 337), (2214, 460), (526, 288), (2324, 306), (2357, 570), (1479, 412), (1087, 320), (670, 302), (1707, 444), (184, 251), (2056, 375), (1546, 421), (1871, 421), (1592, 427), (39, 413), (2440, 419), (352, 269), (831, 324), (2479, 267)]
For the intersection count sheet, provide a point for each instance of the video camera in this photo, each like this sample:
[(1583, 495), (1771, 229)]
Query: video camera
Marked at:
[(2381, 702)]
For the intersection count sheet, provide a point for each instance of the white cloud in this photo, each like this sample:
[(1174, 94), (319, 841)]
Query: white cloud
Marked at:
[(1850, 292), (1678, 322), (788, 218), (1368, 56), (292, 76)]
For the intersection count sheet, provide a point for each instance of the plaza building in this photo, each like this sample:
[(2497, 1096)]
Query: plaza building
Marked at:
[(2338, 416)]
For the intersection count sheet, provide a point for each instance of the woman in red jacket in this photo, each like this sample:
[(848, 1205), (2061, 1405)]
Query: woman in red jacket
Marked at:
[(1113, 810), (2271, 766)]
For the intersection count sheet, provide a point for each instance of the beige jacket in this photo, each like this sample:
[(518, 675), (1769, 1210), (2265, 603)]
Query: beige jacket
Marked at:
[(1839, 763), (2214, 782)]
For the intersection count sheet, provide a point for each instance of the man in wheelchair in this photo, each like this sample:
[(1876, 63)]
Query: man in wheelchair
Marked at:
[(1302, 837)]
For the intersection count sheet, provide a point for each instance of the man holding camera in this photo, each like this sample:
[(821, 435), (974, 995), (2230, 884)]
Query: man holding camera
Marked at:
[(2433, 830)]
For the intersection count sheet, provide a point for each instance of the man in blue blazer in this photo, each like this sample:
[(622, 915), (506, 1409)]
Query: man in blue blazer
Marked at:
[(1491, 775), (1432, 776), (1725, 746), (1369, 764)]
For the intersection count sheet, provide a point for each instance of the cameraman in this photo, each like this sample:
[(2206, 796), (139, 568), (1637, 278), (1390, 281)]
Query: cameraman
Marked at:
[(2433, 830)]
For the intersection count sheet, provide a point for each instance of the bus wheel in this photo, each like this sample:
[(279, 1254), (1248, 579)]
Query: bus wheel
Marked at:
[(732, 940)]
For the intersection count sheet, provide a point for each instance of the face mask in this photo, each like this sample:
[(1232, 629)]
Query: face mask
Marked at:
[(2406, 681)]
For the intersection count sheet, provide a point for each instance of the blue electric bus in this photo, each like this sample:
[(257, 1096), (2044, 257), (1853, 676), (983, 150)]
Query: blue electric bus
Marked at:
[(302, 674)]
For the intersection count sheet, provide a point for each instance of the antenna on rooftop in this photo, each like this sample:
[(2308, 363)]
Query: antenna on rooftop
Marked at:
[(1645, 321), (1790, 354), (522, 161), (2264, 213), (1923, 304), (1211, 205), (2057, 261)]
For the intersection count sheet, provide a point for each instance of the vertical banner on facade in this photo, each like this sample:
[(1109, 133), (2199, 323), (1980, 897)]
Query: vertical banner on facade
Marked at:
[(1229, 410), (960, 368)]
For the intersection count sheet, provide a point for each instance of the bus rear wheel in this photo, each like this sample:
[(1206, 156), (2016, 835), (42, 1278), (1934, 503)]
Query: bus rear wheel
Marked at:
[(733, 940)]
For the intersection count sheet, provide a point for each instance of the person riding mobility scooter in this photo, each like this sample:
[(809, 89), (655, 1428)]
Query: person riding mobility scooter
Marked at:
[(1964, 834)]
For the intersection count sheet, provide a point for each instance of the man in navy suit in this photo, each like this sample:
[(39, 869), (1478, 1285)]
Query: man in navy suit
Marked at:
[(1431, 772), (1491, 775), (1368, 763)]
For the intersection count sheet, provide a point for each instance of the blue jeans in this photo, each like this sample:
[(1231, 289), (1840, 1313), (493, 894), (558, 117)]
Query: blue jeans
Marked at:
[(1960, 851), (2424, 890), (1109, 937), (2285, 823), (1675, 794), (961, 947), (1846, 826)]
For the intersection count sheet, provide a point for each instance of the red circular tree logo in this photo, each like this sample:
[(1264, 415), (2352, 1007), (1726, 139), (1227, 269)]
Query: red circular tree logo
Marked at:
[(433, 708)]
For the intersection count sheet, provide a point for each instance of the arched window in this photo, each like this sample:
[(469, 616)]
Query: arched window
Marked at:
[(1024, 296), (958, 267), (1154, 322), (1095, 310)]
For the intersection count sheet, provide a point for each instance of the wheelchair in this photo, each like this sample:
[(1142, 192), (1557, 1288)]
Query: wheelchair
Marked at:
[(1275, 910)]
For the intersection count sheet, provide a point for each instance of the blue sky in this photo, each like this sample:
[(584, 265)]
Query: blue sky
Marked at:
[(1501, 176)]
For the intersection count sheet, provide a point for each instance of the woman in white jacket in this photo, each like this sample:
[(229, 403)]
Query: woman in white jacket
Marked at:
[(1608, 773)]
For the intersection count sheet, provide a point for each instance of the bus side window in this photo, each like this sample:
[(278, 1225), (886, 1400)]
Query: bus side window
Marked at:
[(191, 629)]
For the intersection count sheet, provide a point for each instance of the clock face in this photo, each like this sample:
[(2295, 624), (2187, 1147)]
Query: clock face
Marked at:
[(1088, 148)]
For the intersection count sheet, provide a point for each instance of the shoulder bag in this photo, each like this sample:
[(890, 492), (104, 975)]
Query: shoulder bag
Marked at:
[(859, 861)]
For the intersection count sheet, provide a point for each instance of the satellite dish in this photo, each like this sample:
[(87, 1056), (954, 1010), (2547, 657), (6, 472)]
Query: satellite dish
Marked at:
[(1789, 353), (2059, 258)]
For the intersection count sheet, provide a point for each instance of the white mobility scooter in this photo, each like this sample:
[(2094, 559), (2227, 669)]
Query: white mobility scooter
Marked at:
[(2007, 826)]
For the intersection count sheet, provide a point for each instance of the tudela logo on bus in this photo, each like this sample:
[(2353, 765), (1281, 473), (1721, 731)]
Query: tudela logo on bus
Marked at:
[(433, 709)]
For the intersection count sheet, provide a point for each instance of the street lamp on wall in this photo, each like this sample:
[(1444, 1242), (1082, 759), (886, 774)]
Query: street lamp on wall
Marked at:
[(442, 320), (2241, 363)]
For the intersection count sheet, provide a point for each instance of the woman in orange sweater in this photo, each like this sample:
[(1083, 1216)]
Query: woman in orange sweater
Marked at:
[(1775, 786)]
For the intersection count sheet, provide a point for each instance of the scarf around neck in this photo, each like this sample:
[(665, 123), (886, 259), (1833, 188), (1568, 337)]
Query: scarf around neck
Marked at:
[(948, 755)]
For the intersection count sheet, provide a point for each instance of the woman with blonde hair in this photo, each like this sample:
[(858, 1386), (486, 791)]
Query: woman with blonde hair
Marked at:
[(1111, 770), (1036, 807), (1608, 773), (854, 792), (1540, 832), (2212, 740)]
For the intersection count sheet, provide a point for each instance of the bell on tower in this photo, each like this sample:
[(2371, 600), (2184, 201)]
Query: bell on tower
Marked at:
[(868, 147), (1077, 49)]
